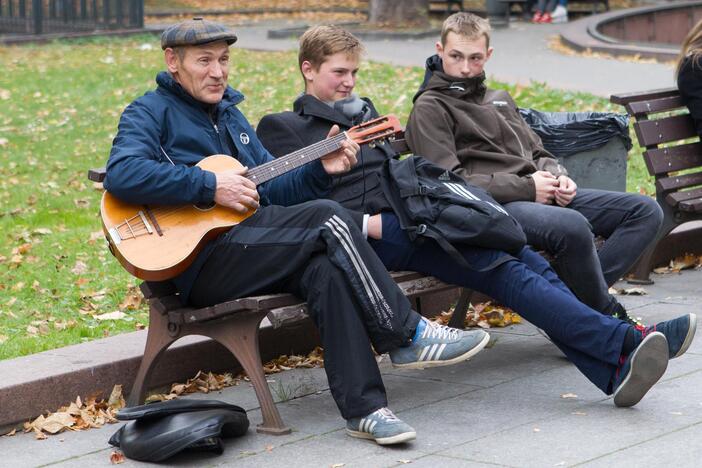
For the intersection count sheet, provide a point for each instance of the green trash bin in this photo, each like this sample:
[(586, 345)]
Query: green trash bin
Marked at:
[(592, 146)]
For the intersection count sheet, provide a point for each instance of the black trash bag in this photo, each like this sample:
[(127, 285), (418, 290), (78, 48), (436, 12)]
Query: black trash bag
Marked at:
[(158, 431), (566, 133)]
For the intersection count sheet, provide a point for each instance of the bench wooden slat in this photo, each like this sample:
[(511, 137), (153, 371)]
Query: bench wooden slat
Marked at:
[(152, 289), (422, 286), (686, 195), (399, 145), (165, 304), (691, 206), (655, 132), (400, 276), (96, 175), (667, 184), (285, 315), (625, 98), (665, 104), (676, 158)]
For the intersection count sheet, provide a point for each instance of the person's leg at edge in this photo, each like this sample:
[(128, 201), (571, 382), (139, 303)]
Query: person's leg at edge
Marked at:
[(529, 286)]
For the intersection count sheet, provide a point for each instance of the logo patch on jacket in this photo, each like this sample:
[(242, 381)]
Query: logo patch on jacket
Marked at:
[(244, 138), (499, 103), (445, 176)]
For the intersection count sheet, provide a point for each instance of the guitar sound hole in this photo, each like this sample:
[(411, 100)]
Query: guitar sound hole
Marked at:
[(205, 206)]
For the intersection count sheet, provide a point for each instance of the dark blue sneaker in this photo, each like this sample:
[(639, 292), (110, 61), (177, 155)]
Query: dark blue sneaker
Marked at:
[(639, 371), (679, 332), (381, 426)]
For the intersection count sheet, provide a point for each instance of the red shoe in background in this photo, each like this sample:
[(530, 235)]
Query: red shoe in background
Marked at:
[(536, 18), (546, 18)]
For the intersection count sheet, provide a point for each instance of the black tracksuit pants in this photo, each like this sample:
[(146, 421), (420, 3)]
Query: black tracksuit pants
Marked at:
[(315, 251)]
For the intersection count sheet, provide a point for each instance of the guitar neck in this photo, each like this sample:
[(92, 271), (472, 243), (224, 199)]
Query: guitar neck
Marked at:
[(280, 166)]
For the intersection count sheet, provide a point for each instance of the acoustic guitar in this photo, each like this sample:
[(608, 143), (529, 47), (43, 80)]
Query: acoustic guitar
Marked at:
[(156, 243)]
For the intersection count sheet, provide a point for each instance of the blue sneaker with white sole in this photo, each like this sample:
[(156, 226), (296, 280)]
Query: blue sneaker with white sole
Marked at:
[(381, 426), (639, 371), (438, 345), (679, 332)]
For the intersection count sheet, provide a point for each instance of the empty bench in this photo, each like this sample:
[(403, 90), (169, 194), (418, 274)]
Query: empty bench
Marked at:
[(673, 155)]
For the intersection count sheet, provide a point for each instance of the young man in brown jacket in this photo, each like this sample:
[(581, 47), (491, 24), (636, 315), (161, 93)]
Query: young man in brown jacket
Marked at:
[(477, 132)]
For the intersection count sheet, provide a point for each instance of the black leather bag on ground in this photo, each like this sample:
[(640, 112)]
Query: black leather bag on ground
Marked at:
[(158, 431), (433, 202)]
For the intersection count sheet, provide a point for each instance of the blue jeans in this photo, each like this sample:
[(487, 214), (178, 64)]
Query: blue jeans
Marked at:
[(628, 221), (525, 283)]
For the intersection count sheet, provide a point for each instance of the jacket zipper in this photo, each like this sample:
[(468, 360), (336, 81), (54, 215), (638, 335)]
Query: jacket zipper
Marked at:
[(216, 129), (521, 147)]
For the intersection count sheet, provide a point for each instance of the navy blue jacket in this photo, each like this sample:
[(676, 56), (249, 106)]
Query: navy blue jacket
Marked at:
[(168, 121), (164, 133)]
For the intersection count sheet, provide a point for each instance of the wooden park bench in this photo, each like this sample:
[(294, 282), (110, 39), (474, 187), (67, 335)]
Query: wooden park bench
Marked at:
[(235, 325), (673, 155)]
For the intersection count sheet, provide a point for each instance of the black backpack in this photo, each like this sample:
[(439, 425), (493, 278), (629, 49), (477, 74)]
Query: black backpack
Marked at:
[(432, 202)]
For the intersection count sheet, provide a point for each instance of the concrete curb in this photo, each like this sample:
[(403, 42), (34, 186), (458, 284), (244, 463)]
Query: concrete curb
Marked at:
[(43, 382)]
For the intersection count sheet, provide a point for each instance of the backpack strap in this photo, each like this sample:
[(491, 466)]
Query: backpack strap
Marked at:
[(430, 232)]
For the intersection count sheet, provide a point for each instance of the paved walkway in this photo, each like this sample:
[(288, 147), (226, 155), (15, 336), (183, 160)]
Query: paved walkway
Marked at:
[(521, 56), (517, 403)]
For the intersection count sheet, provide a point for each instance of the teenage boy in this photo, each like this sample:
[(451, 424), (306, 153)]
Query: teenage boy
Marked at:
[(463, 126), (614, 355)]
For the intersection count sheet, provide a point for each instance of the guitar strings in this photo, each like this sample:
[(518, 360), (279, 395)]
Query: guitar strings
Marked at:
[(326, 146), (262, 172)]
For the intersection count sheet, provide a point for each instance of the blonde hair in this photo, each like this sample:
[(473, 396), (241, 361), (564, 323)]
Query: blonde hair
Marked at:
[(691, 47), (320, 42), (467, 25)]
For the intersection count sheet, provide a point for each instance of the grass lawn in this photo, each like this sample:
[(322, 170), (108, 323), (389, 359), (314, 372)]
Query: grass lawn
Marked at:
[(60, 107)]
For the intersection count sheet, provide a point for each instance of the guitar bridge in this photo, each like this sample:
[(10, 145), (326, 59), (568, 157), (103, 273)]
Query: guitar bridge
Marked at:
[(114, 232)]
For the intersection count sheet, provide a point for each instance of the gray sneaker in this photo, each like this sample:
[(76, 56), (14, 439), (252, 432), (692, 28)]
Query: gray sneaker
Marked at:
[(382, 426), (439, 345)]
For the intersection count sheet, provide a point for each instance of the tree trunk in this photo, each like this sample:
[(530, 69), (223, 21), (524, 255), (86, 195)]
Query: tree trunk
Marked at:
[(399, 12)]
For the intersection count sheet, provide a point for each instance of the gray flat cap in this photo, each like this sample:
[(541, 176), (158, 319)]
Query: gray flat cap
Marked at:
[(196, 31)]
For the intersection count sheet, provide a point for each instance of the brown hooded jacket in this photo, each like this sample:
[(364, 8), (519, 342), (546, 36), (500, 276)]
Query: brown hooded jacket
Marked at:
[(478, 133)]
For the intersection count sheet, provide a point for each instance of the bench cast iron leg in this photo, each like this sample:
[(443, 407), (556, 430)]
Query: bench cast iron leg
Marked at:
[(641, 271), (157, 341), (239, 334), (458, 318)]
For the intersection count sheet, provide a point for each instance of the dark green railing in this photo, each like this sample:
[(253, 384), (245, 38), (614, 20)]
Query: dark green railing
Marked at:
[(58, 16)]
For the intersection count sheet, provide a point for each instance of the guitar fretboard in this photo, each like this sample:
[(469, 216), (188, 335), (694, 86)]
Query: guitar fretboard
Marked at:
[(280, 166)]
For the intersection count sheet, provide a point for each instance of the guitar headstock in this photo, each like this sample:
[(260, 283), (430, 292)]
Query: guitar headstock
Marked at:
[(387, 126)]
